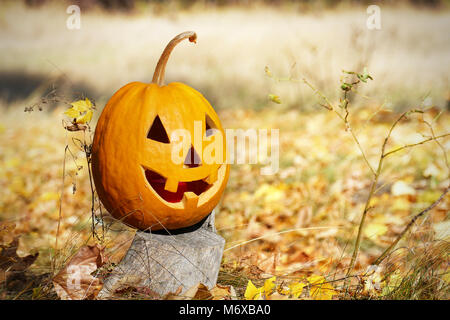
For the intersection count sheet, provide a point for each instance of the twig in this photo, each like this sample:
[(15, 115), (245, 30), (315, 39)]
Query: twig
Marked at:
[(60, 206), (373, 186), (410, 224), (329, 106), (277, 233), (416, 144)]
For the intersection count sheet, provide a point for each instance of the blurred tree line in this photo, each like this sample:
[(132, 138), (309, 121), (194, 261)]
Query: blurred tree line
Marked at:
[(129, 5)]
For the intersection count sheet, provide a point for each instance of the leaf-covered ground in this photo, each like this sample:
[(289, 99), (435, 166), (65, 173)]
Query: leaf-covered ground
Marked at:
[(294, 225)]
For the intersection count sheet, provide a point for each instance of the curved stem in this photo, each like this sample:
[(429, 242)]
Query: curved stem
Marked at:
[(158, 76)]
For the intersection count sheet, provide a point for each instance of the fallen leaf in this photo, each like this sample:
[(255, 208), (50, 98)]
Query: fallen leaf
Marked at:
[(174, 295), (202, 293), (278, 296), (269, 286), (196, 292), (320, 290), (375, 230), (75, 280), (220, 292), (252, 292), (296, 289), (11, 263), (270, 193), (6, 232), (393, 282)]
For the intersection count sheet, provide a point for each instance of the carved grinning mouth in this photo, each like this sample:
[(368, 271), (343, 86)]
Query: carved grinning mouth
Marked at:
[(158, 182)]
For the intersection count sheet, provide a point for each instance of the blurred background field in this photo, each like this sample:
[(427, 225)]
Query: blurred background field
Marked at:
[(305, 217)]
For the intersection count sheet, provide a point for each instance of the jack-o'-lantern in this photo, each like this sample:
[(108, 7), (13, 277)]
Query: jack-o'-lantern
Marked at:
[(135, 176)]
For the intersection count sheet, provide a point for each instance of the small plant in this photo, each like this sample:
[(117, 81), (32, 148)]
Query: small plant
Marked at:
[(349, 84)]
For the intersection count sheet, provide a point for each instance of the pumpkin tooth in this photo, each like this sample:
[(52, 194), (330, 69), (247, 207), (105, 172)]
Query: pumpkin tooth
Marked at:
[(190, 200), (171, 185), (211, 178)]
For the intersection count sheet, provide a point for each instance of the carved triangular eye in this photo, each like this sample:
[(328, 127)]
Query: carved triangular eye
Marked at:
[(209, 126), (157, 131)]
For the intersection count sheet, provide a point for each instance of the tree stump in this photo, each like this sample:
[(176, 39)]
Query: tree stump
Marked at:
[(163, 261)]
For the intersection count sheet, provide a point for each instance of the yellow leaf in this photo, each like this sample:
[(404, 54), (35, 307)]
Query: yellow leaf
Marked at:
[(47, 196), (86, 117), (269, 286), (274, 98), (393, 282), (72, 113), (270, 193), (320, 290), (374, 230), (401, 204), (315, 279), (283, 290), (296, 289), (82, 105), (81, 111), (252, 292), (446, 277)]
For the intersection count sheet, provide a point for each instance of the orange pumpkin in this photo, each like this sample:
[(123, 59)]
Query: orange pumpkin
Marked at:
[(134, 175)]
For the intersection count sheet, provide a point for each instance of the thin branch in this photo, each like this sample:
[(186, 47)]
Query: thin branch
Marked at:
[(416, 144), (410, 224), (60, 207), (329, 106), (373, 186)]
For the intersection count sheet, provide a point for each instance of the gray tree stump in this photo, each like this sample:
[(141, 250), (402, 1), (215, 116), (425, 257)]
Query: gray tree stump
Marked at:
[(164, 262)]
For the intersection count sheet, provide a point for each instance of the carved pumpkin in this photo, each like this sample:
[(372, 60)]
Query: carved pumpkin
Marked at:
[(134, 175)]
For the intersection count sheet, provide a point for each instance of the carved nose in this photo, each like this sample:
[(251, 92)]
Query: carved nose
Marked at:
[(192, 159)]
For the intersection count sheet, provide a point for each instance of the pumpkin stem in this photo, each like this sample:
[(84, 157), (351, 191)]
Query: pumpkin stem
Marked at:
[(158, 76)]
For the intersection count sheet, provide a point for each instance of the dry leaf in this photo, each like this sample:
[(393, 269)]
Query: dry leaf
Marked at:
[(278, 296), (197, 292), (6, 232), (220, 292), (10, 262), (75, 280), (375, 230), (174, 295), (202, 293)]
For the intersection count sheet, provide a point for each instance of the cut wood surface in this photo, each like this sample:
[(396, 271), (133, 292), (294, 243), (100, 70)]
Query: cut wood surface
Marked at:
[(165, 262)]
